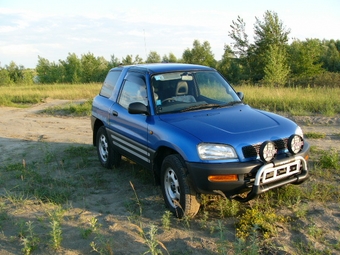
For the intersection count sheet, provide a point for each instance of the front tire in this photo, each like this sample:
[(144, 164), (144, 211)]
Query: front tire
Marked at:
[(178, 193), (107, 156)]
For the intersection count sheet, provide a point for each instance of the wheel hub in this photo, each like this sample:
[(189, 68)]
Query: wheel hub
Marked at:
[(171, 186)]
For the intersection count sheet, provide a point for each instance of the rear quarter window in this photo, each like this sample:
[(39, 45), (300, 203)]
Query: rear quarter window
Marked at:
[(109, 83)]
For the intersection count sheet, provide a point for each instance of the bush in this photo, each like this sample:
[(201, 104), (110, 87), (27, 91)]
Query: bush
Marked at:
[(323, 80)]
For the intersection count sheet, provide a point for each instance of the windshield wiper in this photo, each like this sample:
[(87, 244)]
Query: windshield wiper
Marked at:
[(205, 106), (198, 107)]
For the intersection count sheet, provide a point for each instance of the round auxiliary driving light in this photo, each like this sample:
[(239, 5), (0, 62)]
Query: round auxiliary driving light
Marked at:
[(267, 151), (295, 144)]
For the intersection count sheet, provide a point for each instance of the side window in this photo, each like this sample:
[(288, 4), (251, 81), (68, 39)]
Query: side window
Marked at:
[(109, 83), (134, 90)]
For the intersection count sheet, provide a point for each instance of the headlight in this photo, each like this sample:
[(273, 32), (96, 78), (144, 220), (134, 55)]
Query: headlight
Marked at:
[(267, 151), (210, 151), (295, 144)]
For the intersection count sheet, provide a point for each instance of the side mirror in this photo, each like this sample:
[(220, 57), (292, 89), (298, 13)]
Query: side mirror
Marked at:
[(240, 95), (138, 108)]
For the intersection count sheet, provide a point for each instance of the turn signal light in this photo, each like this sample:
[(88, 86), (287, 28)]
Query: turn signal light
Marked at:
[(223, 178)]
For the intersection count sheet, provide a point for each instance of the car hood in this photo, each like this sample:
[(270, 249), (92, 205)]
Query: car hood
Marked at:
[(234, 123)]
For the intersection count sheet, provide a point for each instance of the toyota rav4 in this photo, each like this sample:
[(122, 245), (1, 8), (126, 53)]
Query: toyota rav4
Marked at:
[(188, 126)]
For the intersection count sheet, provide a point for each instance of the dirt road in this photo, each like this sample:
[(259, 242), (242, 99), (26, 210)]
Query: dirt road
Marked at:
[(24, 131)]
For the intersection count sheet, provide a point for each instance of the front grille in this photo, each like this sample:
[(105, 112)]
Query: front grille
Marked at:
[(252, 151)]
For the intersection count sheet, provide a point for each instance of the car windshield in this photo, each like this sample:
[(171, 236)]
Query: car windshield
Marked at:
[(190, 91)]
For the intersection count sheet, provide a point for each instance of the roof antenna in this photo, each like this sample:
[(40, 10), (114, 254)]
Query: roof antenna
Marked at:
[(145, 45)]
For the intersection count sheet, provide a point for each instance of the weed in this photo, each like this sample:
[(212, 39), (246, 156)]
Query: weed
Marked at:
[(186, 219), (204, 219), (323, 191), (166, 220), (85, 233), (102, 245), (29, 239), (288, 195), (227, 207), (56, 217), (94, 224), (3, 214), (247, 246), (315, 231), (301, 211), (309, 248), (151, 241), (56, 234), (16, 197), (250, 246), (330, 160), (265, 220), (222, 243), (137, 200)]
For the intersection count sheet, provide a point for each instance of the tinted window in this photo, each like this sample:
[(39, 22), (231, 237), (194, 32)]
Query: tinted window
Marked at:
[(109, 83), (134, 90)]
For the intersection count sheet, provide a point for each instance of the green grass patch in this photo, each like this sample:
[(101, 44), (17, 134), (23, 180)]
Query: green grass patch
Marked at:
[(295, 101), (70, 109), (315, 135), (330, 160), (26, 95)]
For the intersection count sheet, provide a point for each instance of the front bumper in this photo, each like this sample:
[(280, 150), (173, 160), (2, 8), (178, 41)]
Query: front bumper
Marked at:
[(254, 177)]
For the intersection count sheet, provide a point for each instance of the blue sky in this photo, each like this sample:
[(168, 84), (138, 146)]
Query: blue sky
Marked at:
[(53, 29)]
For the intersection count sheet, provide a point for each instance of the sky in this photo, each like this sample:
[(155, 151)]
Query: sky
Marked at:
[(54, 29)]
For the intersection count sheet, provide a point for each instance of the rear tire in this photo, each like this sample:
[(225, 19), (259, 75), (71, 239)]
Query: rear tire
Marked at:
[(106, 155), (178, 193)]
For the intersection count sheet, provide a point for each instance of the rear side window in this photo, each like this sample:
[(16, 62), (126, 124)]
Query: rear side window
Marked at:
[(109, 83)]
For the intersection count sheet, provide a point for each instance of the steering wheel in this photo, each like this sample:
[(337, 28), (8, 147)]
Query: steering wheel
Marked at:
[(170, 99)]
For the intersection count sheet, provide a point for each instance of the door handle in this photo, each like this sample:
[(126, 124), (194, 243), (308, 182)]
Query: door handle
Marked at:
[(114, 113)]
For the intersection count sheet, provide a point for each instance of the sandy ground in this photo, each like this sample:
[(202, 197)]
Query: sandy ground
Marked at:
[(22, 129)]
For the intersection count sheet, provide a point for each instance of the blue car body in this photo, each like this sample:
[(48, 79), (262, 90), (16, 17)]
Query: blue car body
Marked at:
[(149, 129)]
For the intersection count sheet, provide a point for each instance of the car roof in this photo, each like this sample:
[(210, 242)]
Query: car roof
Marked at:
[(166, 67)]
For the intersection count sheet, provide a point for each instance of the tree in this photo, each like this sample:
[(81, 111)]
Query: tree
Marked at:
[(72, 67), (268, 32), (49, 72), (223, 66), (238, 34), (304, 57), (200, 54), (153, 57), (114, 62), (43, 70), (331, 56), (128, 60), (15, 72), (4, 77), (276, 69), (93, 68), (171, 58)]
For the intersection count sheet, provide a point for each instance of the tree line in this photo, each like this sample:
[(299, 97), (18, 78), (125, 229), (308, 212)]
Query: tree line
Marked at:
[(267, 61)]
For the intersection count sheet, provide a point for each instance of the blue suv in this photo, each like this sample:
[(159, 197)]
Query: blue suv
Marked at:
[(191, 129)]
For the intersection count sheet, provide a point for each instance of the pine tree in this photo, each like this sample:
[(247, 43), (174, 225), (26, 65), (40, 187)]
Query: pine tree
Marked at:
[(276, 69)]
